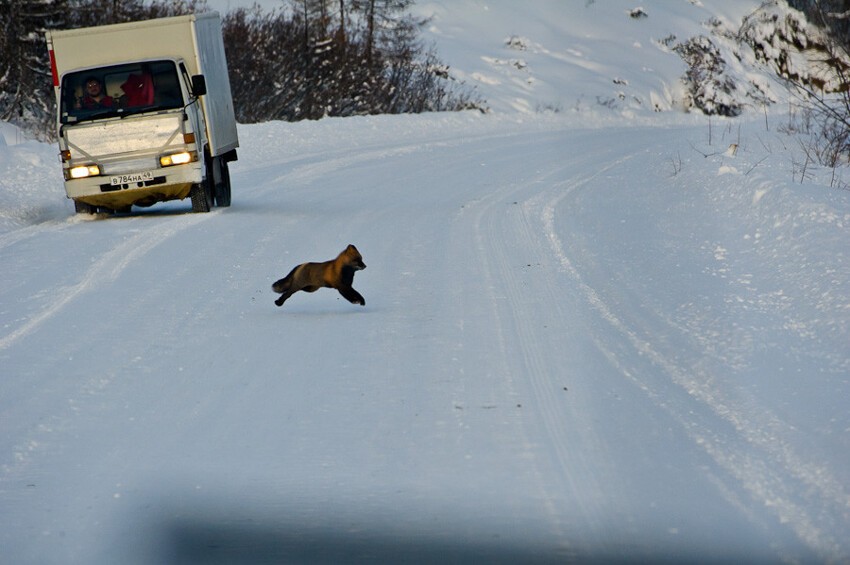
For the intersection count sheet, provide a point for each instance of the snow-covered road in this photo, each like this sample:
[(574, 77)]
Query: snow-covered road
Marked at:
[(570, 349)]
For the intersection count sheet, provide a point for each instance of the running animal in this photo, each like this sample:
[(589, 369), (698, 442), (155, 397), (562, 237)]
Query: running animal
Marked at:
[(337, 273)]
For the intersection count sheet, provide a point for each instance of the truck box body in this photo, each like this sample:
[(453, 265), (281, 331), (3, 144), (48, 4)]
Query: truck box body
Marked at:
[(151, 111)]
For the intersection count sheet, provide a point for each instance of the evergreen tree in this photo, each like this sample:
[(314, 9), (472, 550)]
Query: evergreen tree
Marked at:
[(385, 22)]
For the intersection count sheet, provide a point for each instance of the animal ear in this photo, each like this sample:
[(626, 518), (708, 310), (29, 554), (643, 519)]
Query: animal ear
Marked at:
[(350, 247)]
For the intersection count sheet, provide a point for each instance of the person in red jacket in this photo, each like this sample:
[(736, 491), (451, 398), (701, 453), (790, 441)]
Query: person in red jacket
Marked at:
[(139, 89)]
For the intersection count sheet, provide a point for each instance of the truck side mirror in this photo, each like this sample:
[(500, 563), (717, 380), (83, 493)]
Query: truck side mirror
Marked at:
[(199, 85)]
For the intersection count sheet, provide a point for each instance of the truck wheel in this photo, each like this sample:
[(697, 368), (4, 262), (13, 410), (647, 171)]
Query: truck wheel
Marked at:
[(83, 208), (222, 189), (202, 199)]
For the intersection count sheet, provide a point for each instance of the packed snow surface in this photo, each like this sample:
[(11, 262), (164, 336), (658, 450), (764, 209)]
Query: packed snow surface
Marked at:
[(591, 333)]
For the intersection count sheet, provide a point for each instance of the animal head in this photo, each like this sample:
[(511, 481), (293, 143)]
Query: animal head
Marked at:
[(353, 258)]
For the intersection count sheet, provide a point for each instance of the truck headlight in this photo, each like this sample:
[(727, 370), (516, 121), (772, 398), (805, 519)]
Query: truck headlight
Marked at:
[(177, 158), (83, 171)]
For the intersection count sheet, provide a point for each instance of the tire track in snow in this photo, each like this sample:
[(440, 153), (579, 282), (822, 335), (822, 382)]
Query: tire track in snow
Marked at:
[(570, 432), (498, 276), (11, 238), (564, 476), (311, 166), (106, 269), (765, 464)]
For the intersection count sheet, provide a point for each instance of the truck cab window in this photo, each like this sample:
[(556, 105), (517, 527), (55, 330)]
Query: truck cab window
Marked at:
[(121, 90)]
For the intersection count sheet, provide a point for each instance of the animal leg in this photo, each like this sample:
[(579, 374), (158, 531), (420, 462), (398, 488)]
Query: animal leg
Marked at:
[(352, 296)]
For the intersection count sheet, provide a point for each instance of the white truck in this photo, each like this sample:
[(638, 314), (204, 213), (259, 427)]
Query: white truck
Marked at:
[(144, 113)]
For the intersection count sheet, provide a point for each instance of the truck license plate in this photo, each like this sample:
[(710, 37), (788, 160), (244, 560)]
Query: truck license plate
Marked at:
[(131, 178)]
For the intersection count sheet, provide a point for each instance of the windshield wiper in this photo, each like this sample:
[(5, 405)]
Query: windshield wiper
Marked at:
[(160, 107), (121, 112), (108, 113)]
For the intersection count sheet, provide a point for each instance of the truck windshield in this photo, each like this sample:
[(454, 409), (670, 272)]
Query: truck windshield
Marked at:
[(120, 90)]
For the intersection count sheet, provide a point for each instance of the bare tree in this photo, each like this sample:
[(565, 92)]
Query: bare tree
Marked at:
[(26, 97), (822, 84), (313, 58), (830, 100)]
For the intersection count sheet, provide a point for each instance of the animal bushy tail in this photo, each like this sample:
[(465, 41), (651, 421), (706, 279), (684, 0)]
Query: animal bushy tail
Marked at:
[(281, 286)]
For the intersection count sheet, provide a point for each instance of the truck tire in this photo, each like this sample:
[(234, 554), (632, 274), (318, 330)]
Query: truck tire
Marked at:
[(222, 189), (202, 198), (83, 208)]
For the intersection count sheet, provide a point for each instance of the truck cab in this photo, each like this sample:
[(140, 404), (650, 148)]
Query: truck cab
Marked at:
[(133, 132)]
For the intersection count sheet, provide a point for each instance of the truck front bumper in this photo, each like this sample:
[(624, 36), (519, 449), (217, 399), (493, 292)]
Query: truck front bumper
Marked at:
[(168, 183)]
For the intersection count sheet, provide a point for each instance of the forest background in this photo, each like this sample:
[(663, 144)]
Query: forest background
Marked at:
[(311, 59), (307, 60)]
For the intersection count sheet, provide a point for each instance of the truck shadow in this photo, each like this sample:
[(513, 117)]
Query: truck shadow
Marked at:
[(208, 542)]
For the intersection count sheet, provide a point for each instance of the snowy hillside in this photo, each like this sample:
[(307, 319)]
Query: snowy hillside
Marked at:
[(578, 57), (592, 332)]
